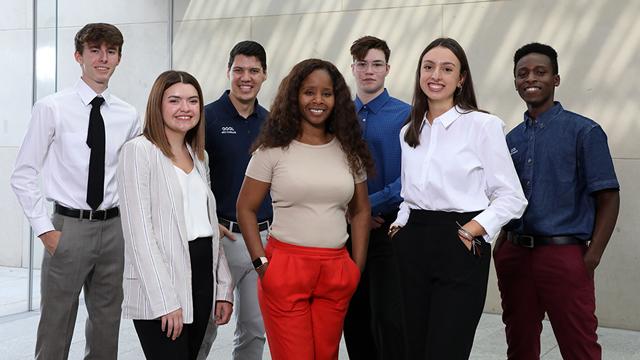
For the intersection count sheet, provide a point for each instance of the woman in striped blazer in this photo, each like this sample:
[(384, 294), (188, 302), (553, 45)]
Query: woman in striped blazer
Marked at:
[(177, 283)]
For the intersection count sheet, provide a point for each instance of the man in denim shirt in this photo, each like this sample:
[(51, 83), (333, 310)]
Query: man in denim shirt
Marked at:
[(547, 259), (372, 327)]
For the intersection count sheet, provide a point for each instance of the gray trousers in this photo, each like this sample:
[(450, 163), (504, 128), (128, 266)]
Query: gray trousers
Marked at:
[(248, 343), (90, 254)]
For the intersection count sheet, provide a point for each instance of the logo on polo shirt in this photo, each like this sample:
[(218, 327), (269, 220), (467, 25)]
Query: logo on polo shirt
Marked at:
[(513, 151), (227, 130)]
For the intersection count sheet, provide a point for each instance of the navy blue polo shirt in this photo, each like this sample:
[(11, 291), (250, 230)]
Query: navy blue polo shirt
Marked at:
[(228, 138), (562, 158), (381, 119)]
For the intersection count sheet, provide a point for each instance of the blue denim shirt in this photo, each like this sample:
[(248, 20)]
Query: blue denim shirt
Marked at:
[(562, 158), (381, 120)]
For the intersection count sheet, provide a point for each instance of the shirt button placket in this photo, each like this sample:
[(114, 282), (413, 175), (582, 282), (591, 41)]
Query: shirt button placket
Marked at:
[(530, 155)]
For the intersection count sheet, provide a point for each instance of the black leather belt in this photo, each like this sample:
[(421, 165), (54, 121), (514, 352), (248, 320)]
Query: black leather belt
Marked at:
[(87, 214), (531, 241), (235, 227)]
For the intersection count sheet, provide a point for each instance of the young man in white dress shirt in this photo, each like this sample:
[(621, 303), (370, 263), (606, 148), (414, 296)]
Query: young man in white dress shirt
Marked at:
[(72, 145)]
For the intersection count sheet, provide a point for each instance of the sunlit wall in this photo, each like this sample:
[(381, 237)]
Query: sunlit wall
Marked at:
[(598, 42), (145, 25)]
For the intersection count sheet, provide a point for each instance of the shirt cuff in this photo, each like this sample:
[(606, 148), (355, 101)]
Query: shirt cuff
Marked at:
[(403, 216), (41, 225), (490, 225), (224, 293)]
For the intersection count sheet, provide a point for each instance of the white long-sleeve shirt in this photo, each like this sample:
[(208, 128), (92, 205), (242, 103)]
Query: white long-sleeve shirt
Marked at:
[(55, 148), (461, 165)]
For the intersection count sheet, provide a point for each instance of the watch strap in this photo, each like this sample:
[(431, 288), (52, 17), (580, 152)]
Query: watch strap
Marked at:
[(258, 262)]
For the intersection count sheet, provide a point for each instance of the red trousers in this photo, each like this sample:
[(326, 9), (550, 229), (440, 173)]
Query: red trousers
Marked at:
[(304, 296), (551, 279)]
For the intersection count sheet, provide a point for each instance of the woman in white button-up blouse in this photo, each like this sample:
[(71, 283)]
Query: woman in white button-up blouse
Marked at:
[(459, 188)]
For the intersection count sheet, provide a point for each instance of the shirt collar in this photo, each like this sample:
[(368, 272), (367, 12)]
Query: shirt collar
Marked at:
[(448, 117), (374, 105), (231, 110), (545, 117), (87, 94)]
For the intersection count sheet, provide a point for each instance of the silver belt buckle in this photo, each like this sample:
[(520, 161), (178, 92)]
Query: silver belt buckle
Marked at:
[(528, 238)]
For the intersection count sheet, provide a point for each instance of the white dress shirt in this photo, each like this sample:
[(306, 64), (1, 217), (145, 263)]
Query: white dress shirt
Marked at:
[(55, 145), (194, 199), (461, 165)]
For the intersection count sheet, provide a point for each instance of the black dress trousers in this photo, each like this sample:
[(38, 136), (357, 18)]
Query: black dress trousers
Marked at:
[(444, 285)]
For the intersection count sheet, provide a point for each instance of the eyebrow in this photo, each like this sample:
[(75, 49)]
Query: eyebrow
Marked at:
[(247, 67), (535, 67), (433, 62), (180, 97)]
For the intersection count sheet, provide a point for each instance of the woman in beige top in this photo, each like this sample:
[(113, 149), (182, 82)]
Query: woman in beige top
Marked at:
[(311, 156)]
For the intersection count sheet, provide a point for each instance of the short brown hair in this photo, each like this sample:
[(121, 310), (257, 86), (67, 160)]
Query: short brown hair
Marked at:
[(98, 34), (361, 47), (154, 123)]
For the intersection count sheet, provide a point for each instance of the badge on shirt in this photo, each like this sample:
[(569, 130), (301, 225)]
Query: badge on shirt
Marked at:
[(513, 151)]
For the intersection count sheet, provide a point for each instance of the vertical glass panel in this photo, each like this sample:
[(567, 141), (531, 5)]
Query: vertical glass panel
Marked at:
[(16, 35), (45, 83)]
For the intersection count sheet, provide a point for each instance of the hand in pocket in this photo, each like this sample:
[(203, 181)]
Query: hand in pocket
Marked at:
[(50, 240)]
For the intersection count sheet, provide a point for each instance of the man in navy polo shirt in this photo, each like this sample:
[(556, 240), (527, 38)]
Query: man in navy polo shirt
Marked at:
[(233, 123), (546, 261), (373, 325)]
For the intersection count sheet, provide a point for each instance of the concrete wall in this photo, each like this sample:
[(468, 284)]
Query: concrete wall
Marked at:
[(146, 53), (598, 43)]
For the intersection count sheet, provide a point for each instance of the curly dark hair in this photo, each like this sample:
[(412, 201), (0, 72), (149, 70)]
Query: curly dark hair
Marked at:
[(284, 121)]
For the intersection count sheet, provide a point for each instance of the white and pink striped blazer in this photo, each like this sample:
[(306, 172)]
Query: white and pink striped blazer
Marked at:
[(157, 275)]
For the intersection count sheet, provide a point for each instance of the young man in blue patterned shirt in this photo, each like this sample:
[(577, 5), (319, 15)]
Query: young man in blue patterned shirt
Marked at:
[(373, 326)]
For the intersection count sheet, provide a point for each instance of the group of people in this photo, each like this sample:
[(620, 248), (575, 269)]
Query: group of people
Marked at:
[(324, 215)]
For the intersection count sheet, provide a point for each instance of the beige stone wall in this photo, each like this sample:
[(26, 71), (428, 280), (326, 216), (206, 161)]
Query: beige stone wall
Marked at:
[(598, 42), (145, 26)]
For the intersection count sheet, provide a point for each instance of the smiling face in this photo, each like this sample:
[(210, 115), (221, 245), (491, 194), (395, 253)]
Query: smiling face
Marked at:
[(180, 109), (98, 62), (246, 76), (316, 99), (440, 76), (536, 82), (370, 72)]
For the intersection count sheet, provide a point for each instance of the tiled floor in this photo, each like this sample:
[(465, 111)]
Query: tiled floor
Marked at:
[(14, 284), (17, 341), (17, 333)]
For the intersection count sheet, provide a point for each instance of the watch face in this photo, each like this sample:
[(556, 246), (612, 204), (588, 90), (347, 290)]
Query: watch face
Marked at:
[(259, 262)]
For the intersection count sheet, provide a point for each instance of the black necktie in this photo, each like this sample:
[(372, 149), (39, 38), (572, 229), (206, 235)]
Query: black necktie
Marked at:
[(95, 141)]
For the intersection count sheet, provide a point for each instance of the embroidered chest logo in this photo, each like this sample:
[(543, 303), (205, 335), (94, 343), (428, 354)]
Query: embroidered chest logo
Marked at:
[(513, 151), (227, 130)]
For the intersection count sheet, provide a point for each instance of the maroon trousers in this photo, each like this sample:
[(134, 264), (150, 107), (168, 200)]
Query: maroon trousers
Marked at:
[(551, 279)]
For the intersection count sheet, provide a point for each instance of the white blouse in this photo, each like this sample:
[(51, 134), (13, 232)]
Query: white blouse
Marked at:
[(461, 165), (194, 198)]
